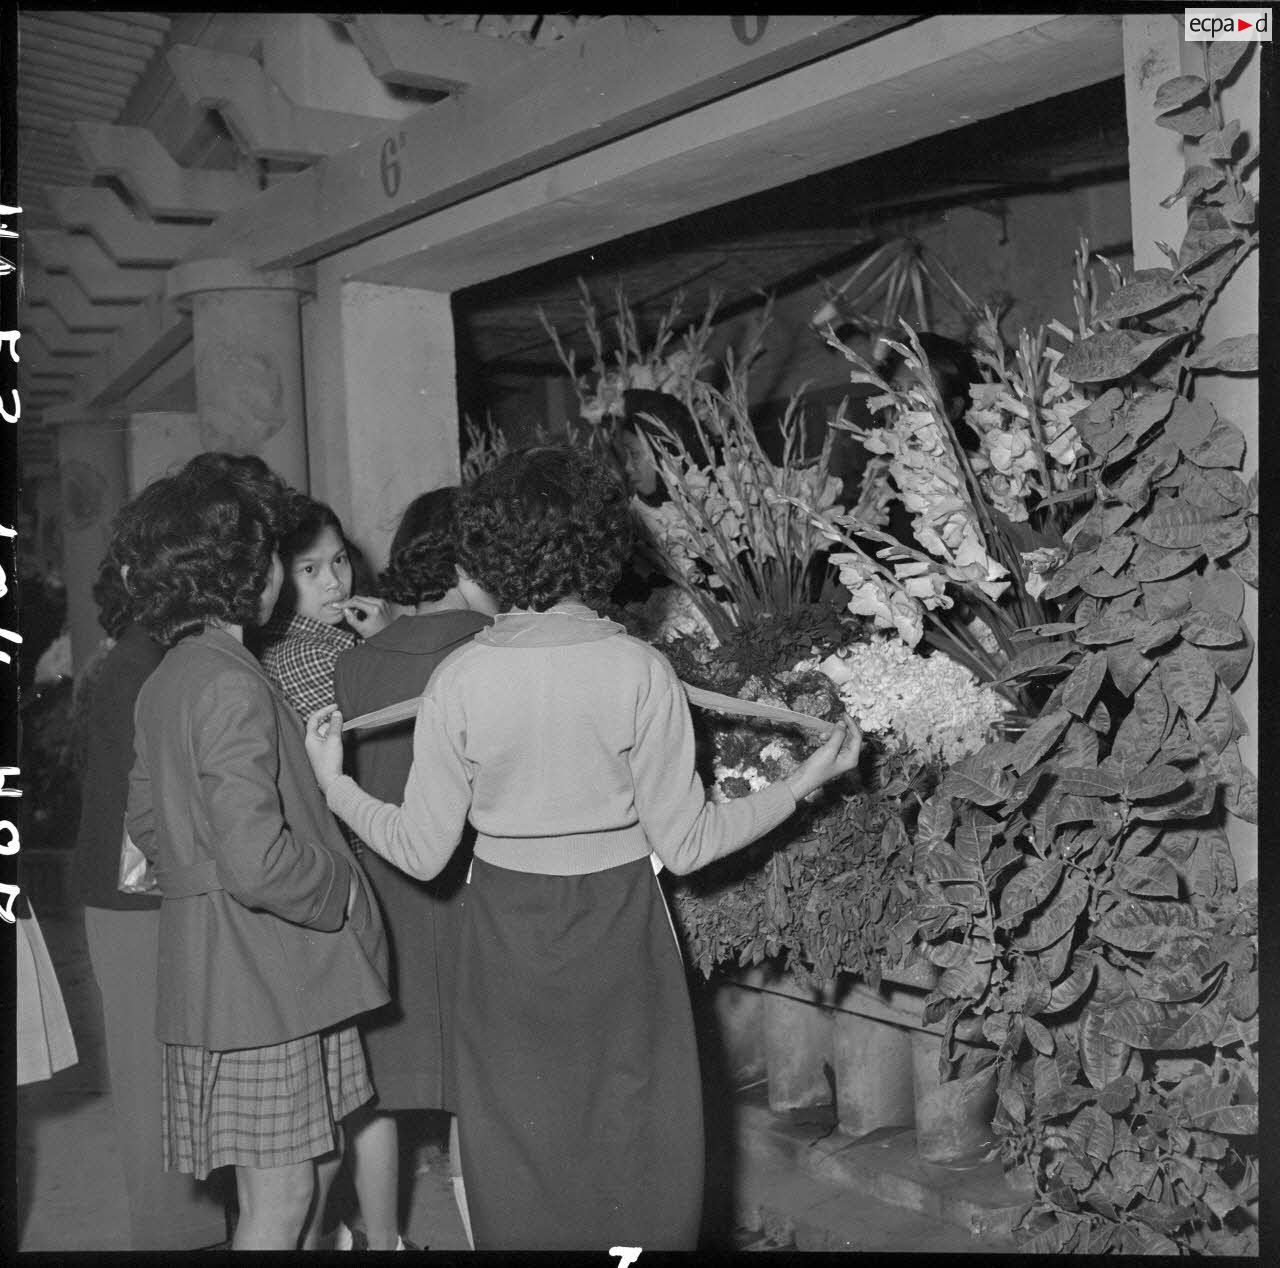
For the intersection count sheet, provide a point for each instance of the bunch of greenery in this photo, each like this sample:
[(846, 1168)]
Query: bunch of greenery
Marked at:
[(1075, 889)]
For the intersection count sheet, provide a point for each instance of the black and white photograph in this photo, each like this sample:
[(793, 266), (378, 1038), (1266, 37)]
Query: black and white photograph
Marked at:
[(633, 636)]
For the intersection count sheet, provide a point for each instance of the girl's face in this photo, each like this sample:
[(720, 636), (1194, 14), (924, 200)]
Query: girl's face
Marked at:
[(321, 576), (270, 591)]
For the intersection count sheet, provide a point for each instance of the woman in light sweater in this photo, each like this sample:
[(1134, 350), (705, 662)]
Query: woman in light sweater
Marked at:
[(569, 744)]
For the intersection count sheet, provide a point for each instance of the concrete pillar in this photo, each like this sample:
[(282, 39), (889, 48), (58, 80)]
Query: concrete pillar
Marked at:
[(160, 443), (93, 480), (1154, 51), (382, 400), (248, 360)]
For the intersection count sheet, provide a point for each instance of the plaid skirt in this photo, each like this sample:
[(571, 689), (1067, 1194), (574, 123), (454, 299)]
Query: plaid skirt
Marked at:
[(260, 1107)]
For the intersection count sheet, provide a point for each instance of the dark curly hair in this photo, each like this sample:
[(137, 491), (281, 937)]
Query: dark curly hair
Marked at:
[(248, 474), (203, 553), (251, 476), (421, 565), (542, 524)]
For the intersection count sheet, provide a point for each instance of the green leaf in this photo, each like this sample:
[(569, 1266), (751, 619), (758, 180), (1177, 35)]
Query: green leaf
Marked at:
[(1114, 553), (1241, 787), (1191, 121), (1167, 598), (1117, 1096), (1178, 525), (1088, 782), (1155, 563), (1038, 739), (1207, 628), (1221, 590), (1223, 447), (1110, 354), (1039, 1037), (1242, 210), (1037, 657), (1155, 635), (1188, 678), (1195, 180), (1172, 975), (1245, 560), (976, 780), (1238, 355), (1057, 918), (1224, 56), (1072, 987), (1157, 781), (1128, 667), (1220, 144), (1102, 1056), (1148, 877), (1141, 925), (1080, 688), (944, 865), (1177, 92), (1219, 492), (1140, 297), (1028, 889), (1190, 422), (1203, 244), (1118, 628), (934, 821)]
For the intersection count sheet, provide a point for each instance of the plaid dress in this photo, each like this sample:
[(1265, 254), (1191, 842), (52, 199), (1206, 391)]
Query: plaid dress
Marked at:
[(299, 657), (259, 1107)]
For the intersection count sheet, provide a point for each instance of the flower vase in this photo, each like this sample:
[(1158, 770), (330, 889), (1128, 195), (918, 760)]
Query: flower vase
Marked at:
[(798, 1049), (953, 1119)]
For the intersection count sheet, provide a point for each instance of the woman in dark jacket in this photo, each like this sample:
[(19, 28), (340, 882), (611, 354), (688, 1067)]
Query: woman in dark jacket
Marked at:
[(409, 1043), (270, 940)]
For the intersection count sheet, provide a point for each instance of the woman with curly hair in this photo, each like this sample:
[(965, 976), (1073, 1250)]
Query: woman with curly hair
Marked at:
[(270, 939), (408, 1042), (569, 744)]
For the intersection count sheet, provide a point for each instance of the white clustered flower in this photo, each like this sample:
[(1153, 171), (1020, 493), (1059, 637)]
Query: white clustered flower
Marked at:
[(927, 704)]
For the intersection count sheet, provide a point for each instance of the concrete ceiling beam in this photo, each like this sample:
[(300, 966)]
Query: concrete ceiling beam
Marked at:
[(265, 123), (406, 49), (124, 237), (146, 169)]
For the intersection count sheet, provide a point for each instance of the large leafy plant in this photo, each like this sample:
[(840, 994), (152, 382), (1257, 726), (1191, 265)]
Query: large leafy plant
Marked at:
[(1075, 889)]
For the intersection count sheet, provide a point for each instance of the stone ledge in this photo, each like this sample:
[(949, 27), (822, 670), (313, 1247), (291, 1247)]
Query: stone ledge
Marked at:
[(882, 1165)]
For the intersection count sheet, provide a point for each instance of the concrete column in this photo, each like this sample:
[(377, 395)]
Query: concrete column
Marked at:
[(160, 443), (93, 479), (382, 400), (1154, 51), (248, 360)]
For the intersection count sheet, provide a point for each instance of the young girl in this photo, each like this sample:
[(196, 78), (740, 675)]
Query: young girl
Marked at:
[(270, 940), (309, 628), (570, 746), (408, 1043)]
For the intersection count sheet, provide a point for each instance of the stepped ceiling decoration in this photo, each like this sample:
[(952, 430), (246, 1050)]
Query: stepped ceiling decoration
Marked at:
[(138, 131)]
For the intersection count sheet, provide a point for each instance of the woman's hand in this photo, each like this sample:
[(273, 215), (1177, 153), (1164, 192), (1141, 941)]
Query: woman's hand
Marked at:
[(837, 756), (324, 745), (368, 616)]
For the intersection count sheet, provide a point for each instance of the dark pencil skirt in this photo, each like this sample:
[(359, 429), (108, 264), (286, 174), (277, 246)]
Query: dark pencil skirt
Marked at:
[(579, 1104)]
